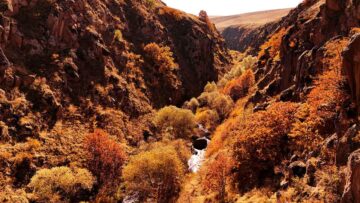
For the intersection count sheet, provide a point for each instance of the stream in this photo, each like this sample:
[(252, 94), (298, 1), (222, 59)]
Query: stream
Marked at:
[(199, 149)]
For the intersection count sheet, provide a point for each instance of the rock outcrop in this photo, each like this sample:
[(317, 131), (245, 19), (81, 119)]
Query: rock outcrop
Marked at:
[(308, 29), (351, 63), (352, 187)]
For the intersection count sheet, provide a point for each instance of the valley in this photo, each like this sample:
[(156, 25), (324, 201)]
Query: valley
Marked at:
[(134, 101)]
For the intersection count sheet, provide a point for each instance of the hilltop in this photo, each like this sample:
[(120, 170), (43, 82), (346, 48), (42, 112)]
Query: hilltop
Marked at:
[(253, 19)]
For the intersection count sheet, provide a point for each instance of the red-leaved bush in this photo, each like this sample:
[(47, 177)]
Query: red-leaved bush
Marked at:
[(105, 157)]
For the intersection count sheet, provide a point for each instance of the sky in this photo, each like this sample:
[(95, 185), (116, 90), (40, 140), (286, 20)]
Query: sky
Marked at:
[(229, 7)]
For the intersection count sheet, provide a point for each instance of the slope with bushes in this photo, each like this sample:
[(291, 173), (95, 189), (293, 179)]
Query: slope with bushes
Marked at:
[(68, 68)]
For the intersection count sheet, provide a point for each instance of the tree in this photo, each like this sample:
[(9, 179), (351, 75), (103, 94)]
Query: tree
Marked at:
[(105, 157), (154, 174), (216, 174), (179, 122)]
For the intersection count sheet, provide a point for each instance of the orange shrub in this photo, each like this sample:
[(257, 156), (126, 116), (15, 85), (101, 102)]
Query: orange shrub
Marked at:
[(161, 59), (240, 87), (262, 142), (178, 15), (216, 174), (273, 45), (161, 56), (105, 157)]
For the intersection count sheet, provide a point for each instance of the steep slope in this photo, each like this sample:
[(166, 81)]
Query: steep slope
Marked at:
[(293, 132), (247, 32), (68, 67)]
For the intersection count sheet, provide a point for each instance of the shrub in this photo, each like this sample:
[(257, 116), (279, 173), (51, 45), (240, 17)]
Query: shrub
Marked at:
[(210, 87), (303, 131), (118, 35), (192, 105), (262, 142), (208, 118), (217, 101), (216, 174), (272, 46), (151, 4), (246, 64), (162, 62), (155, 174), (176, 14), (105, 157), (240, 87), (179, 122), (161, 56), (60, 182)]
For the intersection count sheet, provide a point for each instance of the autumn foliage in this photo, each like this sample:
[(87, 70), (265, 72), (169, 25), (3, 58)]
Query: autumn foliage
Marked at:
[(162, 62), (272, 46), (178, 122), (262, 142), (105, 157), (239, 87), (176, 14), (61, 183), (216, 175), (155, 174)]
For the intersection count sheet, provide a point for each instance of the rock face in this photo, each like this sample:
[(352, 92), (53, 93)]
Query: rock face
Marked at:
[(304, 35), (61, 53), (352, 187), (346, 145), (248, 38), (247, 32), (351, 62)]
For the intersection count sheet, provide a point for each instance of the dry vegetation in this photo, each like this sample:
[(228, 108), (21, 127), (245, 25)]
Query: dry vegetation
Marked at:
[(156, 174), (271, 48), (105, 160)]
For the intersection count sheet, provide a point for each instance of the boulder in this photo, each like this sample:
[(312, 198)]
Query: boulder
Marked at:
[(346, 145), (310, 171), (288, 94), (333, 5), (351, 63), (331, 142), (352, 188)]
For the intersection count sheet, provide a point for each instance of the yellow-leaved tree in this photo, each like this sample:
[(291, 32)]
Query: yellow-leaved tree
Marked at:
[(155, 174)]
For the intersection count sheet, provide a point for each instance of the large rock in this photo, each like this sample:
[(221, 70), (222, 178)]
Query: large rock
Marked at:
[(351, 62), (346, 145), (334, 5), (352, 187)]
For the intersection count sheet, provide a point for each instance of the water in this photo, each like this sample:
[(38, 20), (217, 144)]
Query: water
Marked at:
[(196, 160)]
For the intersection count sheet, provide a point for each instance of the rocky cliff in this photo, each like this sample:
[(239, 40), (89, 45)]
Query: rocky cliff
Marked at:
[(248, 38), (305, 33)]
